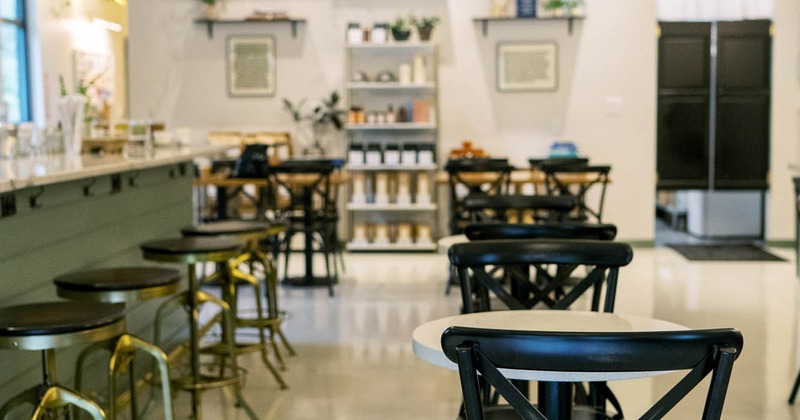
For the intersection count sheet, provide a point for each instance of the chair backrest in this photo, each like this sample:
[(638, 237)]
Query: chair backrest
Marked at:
[(576, 181), (502, 267), (566, 230), (699, 351), (517, 207), (565, 161), (474, 177), (279, 142), (302, 185)]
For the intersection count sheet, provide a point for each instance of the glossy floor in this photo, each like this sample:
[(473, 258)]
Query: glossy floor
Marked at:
[(354, 350)]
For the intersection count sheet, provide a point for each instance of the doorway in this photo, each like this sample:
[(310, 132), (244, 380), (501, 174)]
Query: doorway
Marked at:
[(713, 130)]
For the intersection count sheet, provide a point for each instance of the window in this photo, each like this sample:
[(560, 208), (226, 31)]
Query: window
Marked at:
[(14, 104)]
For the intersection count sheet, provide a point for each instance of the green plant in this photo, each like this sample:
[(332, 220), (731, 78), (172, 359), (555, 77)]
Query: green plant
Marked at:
[(400, 25), (560, 4), (425, 22), (209, 2), (321, 116)]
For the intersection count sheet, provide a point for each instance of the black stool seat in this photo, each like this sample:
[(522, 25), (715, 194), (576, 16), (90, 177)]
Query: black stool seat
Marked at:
[(228, 227), (42, 326), (191, 245), (124, 278)]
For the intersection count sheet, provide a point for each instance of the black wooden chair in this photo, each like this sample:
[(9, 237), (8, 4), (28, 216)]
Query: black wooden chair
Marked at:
[(557, 183), (701, 352), (305, 201), (566, 230), (516, 208), (502, 267), (470, 177)]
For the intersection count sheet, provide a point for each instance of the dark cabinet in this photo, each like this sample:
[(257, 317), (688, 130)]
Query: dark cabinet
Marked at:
[(714, 105)]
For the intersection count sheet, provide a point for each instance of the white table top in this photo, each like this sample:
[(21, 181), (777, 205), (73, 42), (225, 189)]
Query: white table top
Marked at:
[(444, 244), (427, 337), (19, 173)]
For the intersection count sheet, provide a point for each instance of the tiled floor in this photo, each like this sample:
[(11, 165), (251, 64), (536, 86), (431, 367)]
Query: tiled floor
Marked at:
[(355, 359)]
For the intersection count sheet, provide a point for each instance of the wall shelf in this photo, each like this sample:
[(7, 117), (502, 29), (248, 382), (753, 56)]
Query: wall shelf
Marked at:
[(485, 21), (211, 22)]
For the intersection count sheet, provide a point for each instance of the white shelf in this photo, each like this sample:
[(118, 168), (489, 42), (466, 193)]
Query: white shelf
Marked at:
[(391, 207), (382, 167), (391, 247), (379, 86), (395, 126), (393, 46)]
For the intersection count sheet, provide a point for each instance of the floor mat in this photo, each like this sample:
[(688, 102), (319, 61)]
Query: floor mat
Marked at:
[(742, 252)]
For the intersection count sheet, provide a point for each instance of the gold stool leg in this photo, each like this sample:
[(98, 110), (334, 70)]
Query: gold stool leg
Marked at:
[(271, 278), (230, 343), (123, 355), (57, 397), (259, 322)]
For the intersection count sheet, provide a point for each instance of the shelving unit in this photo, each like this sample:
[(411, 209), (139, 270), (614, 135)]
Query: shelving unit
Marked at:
[(484, 21), (209, 23), (372, 212)]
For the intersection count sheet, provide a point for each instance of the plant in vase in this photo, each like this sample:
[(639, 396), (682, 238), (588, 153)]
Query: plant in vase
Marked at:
[(401, 30), (425, 26), (564, 7), (311, 127)]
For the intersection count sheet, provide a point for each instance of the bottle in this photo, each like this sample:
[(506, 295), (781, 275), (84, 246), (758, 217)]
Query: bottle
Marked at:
[(354, 34)]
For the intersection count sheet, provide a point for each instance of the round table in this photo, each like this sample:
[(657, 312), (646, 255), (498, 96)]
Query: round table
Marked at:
[(444, 244), (427, 341)]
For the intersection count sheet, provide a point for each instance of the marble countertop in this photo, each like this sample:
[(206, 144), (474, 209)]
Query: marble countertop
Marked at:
[(20, 173)]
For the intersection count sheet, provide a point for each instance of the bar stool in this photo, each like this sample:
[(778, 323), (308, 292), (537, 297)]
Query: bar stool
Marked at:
[(120, 285), (191, 251), (251, 233), (47, 327)]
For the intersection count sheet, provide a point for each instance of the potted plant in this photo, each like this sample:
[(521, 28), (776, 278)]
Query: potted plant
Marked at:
[(400, 29), (311, 127), (425, 26), (564, 7)]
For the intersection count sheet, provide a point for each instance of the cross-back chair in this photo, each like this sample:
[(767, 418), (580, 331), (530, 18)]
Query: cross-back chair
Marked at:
[(485, 351), (469, 177), (501, 267), (518, 208), (577, 181)]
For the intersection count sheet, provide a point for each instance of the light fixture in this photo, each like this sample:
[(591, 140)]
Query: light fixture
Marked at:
[(121, 2), (105, 24)]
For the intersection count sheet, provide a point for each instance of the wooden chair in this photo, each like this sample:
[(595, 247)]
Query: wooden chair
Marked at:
[(485, 351), (476, 177), (556, 183)]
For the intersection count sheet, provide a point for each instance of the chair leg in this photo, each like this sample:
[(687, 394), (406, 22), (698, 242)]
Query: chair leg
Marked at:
[(230, 343), (123, 355), (57, 397), (236, 274), (795, 388)]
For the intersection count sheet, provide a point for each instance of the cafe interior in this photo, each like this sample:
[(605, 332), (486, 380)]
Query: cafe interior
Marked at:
[(429, 209)]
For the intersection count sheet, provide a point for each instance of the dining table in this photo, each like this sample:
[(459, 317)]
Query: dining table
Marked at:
[(554, 387)]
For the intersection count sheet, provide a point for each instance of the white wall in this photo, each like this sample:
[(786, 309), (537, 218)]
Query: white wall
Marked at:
[(59, 30), (178, 75)]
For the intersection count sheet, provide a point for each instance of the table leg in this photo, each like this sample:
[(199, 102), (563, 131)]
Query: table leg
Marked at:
[(555, 400), (222, 203)]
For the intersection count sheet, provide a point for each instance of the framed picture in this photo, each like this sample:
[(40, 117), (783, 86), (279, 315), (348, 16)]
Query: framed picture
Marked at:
[(251, 65), (527, 66)]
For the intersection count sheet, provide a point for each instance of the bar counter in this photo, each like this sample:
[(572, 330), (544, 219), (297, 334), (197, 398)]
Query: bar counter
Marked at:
[(50, 169), (60, 214)]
